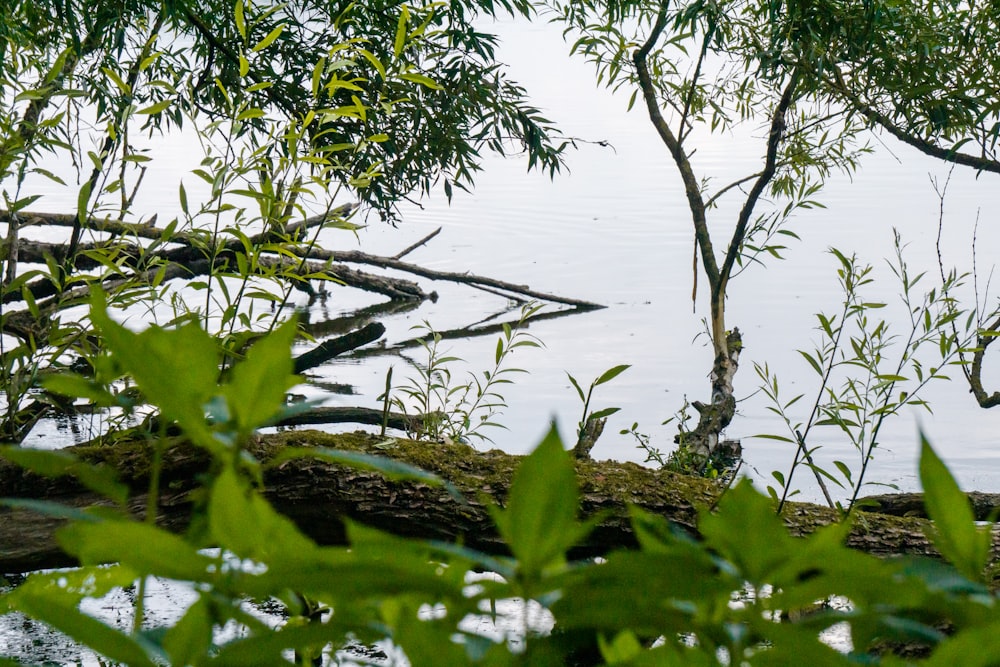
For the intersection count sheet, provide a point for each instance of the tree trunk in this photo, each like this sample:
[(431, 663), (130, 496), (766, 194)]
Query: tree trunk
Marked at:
[(713, 418), (318, 496)]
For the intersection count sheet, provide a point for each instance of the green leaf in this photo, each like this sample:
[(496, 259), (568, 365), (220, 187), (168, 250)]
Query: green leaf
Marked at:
[(47, 508), (269, 648), (401, 30), (83, 201), (241, 25), (623, 649), (78, 386), (421, 79), (968, 648), (606, 412), (955, 533), (269, 39), (176, 369), (144, 548), (113, 75), (189, 640), (812, 362), (747, 532), (539, 522), (611, 374), (105, 640), (234, 507), (576, 385), (155, 108), (98, 478), (257, 386)]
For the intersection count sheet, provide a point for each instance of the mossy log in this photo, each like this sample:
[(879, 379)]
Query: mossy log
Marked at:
[(318, 496)]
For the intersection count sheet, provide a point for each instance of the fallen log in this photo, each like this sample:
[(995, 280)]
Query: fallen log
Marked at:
[(985, 506), (319, 496)]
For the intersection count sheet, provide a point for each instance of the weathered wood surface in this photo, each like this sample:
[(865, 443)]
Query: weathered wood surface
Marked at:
[(985, 506), (317, 496)]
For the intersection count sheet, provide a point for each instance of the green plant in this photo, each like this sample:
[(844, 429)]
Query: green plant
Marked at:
[(653, 454), (458, 411), (295, 109), (699, 70), (606, 612), (591, 424), (878, 371)]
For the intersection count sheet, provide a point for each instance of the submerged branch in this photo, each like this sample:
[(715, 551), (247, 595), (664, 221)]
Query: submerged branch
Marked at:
[(356, 257)]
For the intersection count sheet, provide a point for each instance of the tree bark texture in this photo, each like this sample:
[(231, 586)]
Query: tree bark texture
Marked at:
[(319, 496)]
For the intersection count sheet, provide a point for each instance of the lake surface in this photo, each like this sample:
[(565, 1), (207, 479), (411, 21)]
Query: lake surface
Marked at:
[(615, 230)]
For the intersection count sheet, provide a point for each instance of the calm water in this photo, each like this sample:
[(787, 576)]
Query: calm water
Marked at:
[(616, 230)]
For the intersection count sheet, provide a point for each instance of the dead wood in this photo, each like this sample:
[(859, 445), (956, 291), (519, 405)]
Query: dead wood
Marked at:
[(985, 506), (319, 496), (355, 415), (329, 349), (480, 282)]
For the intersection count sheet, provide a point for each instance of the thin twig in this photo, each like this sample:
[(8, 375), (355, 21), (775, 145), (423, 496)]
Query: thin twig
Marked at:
[(416, 245)]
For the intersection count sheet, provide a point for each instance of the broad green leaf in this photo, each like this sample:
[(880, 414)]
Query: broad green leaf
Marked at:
[(955, 533), (98, 478), (611, 374), (747, 532), (651, 592), (234, 507), (71, 585), (145, 549), (974, 647), (78, 386), (428, 642), (176, 369), (257, 385), (623, 649), (539, 521), (267, 649)]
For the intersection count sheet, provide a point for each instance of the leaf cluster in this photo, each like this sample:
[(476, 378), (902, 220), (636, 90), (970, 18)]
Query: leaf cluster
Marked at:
[(746, 592), (867, 369), (460, 410)]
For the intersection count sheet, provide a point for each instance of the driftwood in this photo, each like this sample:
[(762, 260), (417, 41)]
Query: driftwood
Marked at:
[(318, 496), (329, 349), (356, 415), (182, 249), (128, 258)]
